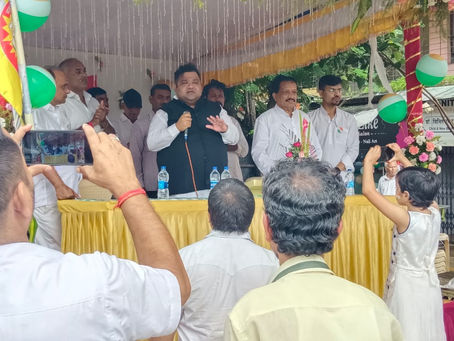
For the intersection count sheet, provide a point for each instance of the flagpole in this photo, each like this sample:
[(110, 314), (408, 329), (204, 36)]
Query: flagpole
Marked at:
[(21, 65)]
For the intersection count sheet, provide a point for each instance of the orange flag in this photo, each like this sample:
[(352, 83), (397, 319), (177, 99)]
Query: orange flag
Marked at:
[(10, 85)]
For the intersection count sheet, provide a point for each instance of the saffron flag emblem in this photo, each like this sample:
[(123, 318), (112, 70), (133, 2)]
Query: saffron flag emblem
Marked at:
[(10, 86)]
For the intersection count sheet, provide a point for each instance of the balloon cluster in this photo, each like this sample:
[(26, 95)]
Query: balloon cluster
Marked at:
[(430, 70), (32, 15)]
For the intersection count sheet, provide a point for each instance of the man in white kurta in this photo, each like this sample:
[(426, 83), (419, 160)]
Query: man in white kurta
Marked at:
[(46, 211), (279, 127), (48, 295), (387, 183), (336, 129)]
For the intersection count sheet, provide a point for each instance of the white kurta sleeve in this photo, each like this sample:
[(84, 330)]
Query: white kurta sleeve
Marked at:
[(260, 144), (160, 136), (231, 136), (314, 141), (243, 146), (352, 147)]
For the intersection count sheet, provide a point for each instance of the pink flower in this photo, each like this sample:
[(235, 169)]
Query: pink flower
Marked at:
[(432, 167), (423, 157), (8, 107), (439, 159), (289, 154), (409, 140), (413, 150), (429, 134), (430, 147), (297, 144)]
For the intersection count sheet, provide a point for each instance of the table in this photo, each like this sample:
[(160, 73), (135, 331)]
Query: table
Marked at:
[(361, 253)]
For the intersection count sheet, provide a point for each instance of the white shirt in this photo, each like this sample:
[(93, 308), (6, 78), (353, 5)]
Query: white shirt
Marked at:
[(47, 295), (387, 186), (233, 160), (274, 132), (222, 268), (145, 161), (160, 135), (52, 118), (338, 136), (77, 112), (123, 127)]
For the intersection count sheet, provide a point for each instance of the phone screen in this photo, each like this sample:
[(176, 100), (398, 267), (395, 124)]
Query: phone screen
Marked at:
[(53, 147)]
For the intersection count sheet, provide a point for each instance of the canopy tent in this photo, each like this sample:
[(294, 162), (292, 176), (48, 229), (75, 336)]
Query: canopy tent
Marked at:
[(231, 40)]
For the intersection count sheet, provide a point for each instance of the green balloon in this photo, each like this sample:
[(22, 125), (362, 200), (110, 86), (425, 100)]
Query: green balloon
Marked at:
[(30, 23), (394, 113), (41, 86)]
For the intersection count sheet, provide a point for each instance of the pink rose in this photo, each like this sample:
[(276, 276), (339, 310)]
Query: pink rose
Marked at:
[(413, 150), (289, 154), (423, 157), (8, 107), (430, 147), (297, 144), (439, 159), (432, 167), (409, 140), (429, 134)]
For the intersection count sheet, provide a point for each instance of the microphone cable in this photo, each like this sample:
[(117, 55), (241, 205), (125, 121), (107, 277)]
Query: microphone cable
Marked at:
[(190, 162)]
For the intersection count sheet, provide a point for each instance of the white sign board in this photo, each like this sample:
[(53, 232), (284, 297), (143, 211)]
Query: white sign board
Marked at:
[(433, 121)]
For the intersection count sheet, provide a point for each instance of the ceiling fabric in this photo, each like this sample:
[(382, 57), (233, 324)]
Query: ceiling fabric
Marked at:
[(231, 40)]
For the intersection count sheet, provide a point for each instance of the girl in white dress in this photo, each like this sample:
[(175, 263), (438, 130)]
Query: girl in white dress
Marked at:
[(412, 290)]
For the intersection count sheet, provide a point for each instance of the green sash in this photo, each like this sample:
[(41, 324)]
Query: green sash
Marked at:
[(301, 266)]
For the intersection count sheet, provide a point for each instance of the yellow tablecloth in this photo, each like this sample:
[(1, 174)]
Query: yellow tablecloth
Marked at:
[(361, 253)]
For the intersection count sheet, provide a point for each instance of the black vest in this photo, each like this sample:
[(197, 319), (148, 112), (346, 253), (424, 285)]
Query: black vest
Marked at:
[(205, 147)]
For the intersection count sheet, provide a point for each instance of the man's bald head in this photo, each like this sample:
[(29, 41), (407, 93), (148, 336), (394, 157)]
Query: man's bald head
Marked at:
[(76, 73)]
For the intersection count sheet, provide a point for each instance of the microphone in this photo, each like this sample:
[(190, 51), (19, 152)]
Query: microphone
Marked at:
[(186, 134)]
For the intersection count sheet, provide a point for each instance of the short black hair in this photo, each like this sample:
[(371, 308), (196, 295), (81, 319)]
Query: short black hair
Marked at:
[(185, 68), (12, 169), (68, 63), (159, 86), (275, 84), (328, 80), (96, 91), (304, 202), (132, 99), (213, 84), (421, 184), (51, 69), (231, 206)]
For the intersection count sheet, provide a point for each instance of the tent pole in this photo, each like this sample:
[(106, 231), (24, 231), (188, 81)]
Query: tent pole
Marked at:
[(21, 65)]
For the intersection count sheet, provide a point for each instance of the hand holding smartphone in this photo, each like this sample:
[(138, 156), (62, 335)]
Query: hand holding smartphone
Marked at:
[(54, 147)]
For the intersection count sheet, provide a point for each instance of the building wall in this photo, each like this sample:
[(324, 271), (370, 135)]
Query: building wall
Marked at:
[(441, 45), (118, 73)]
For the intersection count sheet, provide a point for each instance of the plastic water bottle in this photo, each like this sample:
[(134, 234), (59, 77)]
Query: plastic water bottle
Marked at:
[(350, 182), (225, 174), (163, 183), (214, 177)]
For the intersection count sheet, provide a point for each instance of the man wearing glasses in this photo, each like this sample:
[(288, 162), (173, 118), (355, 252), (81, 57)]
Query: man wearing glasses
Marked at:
[(336, 129)]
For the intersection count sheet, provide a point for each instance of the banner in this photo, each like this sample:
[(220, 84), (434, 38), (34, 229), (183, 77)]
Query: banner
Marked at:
[(10, 86)]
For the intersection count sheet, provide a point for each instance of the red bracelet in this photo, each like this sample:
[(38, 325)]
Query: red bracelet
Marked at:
[(127, 195), (90, 124)]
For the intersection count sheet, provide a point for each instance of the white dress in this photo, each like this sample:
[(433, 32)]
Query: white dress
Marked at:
[(412, 290)]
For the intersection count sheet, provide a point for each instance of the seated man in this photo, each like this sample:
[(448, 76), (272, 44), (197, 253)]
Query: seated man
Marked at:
[(304, 202), (47, 295), (224, 266), (387, 183)]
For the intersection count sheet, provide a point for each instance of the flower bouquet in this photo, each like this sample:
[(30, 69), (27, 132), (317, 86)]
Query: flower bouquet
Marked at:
[(6, 115), (301, 149), (423, 148)]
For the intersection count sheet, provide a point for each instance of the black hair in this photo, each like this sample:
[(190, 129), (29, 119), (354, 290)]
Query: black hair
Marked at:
[(96, 91), (213, 84), (421, 184), (132, 99), (159, 86), (275, 84), (231, 206), (185, 68), (328, 80)]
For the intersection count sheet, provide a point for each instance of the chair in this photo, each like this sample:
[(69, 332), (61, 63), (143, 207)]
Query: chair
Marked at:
[(88, 190), (442, 257)]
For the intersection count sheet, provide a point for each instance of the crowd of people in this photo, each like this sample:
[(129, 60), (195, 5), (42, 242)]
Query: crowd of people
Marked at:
[(224, 287)]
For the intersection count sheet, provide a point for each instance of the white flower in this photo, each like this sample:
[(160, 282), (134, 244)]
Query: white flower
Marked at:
[(431, 3), (418, 127), (439, 147), (432, 156), (420, 139), (438, 170), (2, 122), (413, 161)]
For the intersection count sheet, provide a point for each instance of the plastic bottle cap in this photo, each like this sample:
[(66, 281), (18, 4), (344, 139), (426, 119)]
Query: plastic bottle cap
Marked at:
[(226, 168), (215, 168), (163, 167)]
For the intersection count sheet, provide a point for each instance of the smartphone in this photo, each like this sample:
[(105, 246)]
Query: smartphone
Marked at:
[(386, 154), (54, 147)]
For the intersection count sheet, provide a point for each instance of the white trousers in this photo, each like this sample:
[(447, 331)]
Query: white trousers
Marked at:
[(48, 233)]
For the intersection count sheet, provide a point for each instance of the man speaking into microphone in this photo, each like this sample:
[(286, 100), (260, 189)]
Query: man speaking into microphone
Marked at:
[(190, 134)]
